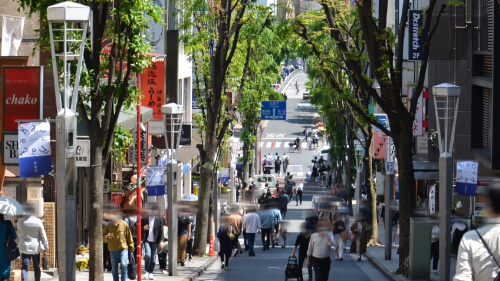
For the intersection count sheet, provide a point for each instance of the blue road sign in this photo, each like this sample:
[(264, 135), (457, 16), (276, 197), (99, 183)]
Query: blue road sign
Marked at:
[(382, 119), (273, 110)]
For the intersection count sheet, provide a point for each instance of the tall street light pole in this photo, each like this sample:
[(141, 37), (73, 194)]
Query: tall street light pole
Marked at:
[(446, 97), (68, 24), (172, 123)]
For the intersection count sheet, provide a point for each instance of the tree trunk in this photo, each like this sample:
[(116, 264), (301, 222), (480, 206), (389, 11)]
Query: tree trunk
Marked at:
[(371, 191), (348, 176), (96, 270), (245, 164), (404, 149), (202, 218)]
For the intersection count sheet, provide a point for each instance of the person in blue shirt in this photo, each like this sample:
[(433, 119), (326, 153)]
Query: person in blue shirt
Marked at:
[(266, 225)]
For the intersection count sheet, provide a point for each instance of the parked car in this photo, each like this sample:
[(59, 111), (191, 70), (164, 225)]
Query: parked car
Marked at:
[(266, 178)]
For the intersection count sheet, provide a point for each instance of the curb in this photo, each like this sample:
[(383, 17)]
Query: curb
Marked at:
[(382, 268), (200, 269)]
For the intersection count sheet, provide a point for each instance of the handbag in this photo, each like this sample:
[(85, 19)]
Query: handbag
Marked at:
[(11, 248), (344, 236), (230, 233), (131, 266), (497, 278)]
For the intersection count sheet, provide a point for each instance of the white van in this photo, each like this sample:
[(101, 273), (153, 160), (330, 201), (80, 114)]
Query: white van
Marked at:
[(266, 178)]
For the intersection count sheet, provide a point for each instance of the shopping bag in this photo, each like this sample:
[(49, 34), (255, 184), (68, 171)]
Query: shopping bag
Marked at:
[(131, 267), (11, 249)]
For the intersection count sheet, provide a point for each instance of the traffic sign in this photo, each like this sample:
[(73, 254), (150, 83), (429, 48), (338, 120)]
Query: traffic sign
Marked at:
[(382, 120), (273, 110)]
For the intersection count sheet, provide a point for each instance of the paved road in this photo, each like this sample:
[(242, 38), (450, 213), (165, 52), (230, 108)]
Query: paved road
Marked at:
[(270, 265)]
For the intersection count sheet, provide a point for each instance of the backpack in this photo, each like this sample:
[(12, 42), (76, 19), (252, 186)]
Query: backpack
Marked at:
[(133, 227), (325, 216), (277, 162), (304, 132)]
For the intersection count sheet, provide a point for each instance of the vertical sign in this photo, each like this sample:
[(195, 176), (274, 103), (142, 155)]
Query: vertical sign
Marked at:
[(418, 128), (155, 181), (21, 95), (186, 134), (153, 87), (224, 175), (379, 144), (432, 200), (82, 153), (132, 150), (466, 183), (34, 149), (415, 45)]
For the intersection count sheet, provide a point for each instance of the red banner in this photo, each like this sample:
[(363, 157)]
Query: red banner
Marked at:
[(153, 88), (21, 95)]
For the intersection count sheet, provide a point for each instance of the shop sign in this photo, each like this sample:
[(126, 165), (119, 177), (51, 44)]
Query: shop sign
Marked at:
[(132, 151), (82, 153), (116, 198)]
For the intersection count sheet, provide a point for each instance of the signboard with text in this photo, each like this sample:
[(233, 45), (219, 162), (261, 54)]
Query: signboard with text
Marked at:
[(153, 87), (132, 151), (82, 153), (273, 110), (22, 98), (415, 44), (10, 149), (186, 135), (34, 149)]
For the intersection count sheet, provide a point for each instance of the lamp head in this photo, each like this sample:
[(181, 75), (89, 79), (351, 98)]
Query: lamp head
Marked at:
[(446, 90), (68, 11), (172, 109)]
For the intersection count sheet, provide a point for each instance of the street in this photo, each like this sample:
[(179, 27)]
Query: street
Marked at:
[(270, 265)]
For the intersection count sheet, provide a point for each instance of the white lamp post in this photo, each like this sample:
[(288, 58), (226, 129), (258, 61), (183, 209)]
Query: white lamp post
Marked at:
[(446, 97), (172, 122), (68, 24)]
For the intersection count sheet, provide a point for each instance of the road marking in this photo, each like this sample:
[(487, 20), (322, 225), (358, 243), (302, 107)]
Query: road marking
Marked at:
[(268, 144), (278, 138), (277, 144)]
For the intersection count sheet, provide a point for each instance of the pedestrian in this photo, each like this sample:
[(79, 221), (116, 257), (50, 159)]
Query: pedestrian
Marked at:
[(32, 241), (189, 246), (251, 225), (302, 242), (132, 224), (119, 239), (300, 188), (183, 235), (395, 226), (162, 253), (106, 257), (283, 234), (266, 224), (269, 159), (318, 252), (435, 247), (289, 184), (479, 251), (226, 241), (283, 201), (277, 165), (6, 229), (361, 234), (152, 236), (338, 229), (275, 234), (286, 161), (306, 133), (236, 221)]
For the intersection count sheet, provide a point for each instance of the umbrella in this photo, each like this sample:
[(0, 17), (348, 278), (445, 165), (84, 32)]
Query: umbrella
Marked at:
[(10, 207), (190, 197)]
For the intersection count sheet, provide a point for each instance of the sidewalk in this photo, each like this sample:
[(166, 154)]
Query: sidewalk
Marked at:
[(376, 255), (190, 272)]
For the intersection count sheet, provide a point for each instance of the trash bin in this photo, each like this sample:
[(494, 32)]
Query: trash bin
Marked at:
[(420, 248)]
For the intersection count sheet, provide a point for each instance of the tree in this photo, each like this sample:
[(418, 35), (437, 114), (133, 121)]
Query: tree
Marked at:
[(123, 23), (213, 47), (384, 52)]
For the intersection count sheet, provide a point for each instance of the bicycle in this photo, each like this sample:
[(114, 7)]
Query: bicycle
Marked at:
[(294, 148)]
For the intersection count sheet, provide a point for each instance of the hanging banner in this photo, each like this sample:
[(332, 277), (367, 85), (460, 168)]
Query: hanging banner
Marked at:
[(418, 128), (379, 144), (34, 149), (155, 181), (432, 200), (224, 175), (153, 87), (466, 183), (132, 150), (12, 35)]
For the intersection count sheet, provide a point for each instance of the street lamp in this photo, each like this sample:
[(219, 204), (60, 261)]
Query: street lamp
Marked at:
[(359, 155), (446, 97), (172, 122), (68, 24)]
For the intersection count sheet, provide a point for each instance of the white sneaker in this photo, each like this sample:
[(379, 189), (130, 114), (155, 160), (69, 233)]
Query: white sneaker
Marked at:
[(151, 277), (145, 276)]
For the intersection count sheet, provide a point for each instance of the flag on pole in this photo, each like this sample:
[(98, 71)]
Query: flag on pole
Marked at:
[(466, 183), (12, 34), (155, 181), (34, 149)]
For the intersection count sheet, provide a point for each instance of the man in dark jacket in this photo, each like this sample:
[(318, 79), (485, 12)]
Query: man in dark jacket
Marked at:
[(152, 235)]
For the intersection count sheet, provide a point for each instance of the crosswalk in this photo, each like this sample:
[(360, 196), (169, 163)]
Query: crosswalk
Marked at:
[(278, 144)]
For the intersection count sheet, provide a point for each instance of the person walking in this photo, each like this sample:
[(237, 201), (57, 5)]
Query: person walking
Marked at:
[(6, 229), (152, 236), (189, 246), (226, 241), (251, 225), (283, 202), (318, 252), (32, 241), (435, 247), (236, 221), (289, 185), (277, 165), (183, 235), (119, 238), (302, 242), (162, 253), (338, 228), (479, 251), (300, 188), (266, 224), (286, 161)]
